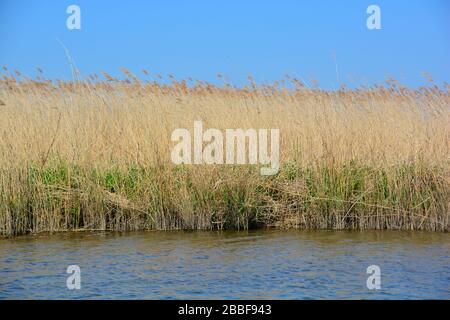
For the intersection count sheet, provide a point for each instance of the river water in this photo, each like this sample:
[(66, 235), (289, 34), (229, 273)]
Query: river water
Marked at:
[(263, 264)]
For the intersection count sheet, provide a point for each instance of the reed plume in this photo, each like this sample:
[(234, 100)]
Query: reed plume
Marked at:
[(96, 155)]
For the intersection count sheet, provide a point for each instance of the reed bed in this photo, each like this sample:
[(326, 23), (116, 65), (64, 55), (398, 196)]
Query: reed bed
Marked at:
[(95, 155)]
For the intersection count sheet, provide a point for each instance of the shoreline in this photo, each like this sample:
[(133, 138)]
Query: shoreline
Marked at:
[(265, 229)]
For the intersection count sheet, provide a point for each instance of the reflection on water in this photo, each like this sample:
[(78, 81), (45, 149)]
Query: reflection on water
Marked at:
[(227, 265)]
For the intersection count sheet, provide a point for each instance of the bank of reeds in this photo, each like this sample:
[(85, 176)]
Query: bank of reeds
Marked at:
[(96, 155)]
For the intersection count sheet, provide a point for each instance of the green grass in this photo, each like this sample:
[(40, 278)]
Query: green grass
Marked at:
[(60, 197)]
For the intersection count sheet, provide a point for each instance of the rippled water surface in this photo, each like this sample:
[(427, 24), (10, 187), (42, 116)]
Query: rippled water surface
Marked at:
[(227, 265)]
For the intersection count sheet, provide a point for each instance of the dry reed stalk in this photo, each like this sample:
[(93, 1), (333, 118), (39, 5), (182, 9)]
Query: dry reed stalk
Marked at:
[(96, 155)]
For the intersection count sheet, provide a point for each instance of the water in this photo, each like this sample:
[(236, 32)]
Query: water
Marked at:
[(227, 265)]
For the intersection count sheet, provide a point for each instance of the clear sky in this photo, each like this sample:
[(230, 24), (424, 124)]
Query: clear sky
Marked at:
[(200, 38)]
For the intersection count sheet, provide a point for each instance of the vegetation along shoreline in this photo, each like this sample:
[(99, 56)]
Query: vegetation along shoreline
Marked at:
[(96, 154)]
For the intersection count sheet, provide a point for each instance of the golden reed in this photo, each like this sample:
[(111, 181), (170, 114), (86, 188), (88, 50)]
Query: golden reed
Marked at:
[(95, 155)]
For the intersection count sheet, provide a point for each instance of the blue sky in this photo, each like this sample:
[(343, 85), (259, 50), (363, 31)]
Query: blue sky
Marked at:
[(199, 39)]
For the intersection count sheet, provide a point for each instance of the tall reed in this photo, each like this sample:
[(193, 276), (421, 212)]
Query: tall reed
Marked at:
[(95, 154)]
